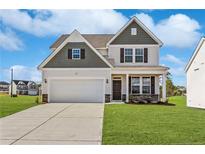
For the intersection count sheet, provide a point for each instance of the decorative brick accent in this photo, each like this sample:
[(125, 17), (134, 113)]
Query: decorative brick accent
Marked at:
[(154, 97), (123, 97), (45, 98), (107, 98)]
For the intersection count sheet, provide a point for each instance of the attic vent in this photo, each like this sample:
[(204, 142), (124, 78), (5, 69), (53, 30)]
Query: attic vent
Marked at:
[(133, 31)]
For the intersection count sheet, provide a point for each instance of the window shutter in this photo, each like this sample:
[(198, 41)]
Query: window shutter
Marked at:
[(152, 85), (82, 54), (122, 55), (129, 84), (69, 53), (145, 55)]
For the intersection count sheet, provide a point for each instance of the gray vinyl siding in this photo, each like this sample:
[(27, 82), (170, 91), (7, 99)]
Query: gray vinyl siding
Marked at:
[(92, 60), (126, 38)]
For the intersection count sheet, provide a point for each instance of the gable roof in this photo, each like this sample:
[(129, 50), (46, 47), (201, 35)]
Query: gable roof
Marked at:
[(135, 19), (97, 40), (4, 83), (66, 40), (194, 53), (17, 81)]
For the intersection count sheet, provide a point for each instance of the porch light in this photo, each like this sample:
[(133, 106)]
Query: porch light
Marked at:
[(107, 81), (45, 80)]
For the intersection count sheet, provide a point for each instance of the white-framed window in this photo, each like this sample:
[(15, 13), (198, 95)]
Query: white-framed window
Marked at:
[(135, 85), (146, 85), (75, 53), (128, 55), (133, 31), (139, 55)]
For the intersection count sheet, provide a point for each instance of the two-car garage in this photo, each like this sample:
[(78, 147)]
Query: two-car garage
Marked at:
[(76, 90)]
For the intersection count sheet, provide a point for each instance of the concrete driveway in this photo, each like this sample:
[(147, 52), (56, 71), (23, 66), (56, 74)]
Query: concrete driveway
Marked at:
[(63, 123)]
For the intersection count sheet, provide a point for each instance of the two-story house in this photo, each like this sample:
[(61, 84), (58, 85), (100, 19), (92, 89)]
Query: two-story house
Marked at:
[(104, 67), (22, 87)]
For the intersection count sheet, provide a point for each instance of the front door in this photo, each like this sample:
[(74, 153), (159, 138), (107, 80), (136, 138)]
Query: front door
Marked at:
[(116, 89)]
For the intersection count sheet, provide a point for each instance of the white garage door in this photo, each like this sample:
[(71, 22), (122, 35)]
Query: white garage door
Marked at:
[(76, 90)]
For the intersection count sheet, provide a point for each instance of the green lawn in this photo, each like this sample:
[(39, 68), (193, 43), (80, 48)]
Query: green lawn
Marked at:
[(10, 105), (154, 124)]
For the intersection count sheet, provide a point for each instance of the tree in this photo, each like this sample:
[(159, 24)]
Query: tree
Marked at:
[(169, 86)]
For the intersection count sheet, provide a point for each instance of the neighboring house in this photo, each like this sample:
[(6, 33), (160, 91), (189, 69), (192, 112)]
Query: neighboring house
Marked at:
[(4, 86), (104, 67), (21, 87), (195, 71)]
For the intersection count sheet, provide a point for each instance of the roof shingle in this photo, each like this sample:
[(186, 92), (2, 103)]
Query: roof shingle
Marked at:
[(96, 40)]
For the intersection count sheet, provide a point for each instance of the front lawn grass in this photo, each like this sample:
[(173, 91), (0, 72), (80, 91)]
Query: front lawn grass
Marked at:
[(154, 124), (12, 105)]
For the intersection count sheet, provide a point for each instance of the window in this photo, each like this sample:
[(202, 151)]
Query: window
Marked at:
[(146, 85), (139, 55), (128, 55), (75, 53), (135, 82), (133, 31)]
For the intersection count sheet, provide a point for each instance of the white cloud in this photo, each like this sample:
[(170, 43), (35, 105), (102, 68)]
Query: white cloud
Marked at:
[(50, 22), (177, 71), (21, 73), (178, 30), (173, 59), (177, 65), (10, 41)]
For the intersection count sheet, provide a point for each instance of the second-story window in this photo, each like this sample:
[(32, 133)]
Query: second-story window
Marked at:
[(75, 53), (128, 55), (139, 55)]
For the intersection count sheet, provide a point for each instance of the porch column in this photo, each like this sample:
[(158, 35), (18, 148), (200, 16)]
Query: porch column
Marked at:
[(127, 87), (164, 78)]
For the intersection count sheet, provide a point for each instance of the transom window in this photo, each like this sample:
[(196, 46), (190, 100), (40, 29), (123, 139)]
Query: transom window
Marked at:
[(146, 85), (133, 31), (128, 55), (135, 82), (75, 53), (139, 55)]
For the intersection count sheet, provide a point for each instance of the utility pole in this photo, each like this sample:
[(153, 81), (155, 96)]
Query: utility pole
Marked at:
[(11, 82)]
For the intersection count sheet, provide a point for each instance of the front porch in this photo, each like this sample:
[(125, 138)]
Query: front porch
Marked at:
[(129, 85)]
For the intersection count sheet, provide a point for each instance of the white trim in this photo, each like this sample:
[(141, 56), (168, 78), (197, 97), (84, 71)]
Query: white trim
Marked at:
[(81, 69), (104, 48), (49, 79), (134, 45), (195, 53), (79, 50), (64, 43), (141, 25), (139, 72)]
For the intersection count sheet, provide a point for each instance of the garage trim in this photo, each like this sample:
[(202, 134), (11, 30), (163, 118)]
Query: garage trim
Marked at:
[(76, 78)]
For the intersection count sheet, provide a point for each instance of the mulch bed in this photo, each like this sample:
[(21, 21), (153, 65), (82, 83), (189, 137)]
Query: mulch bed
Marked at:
[(158, 103)]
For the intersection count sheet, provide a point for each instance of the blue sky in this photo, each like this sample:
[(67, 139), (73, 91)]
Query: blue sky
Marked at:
[(25, 35)]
